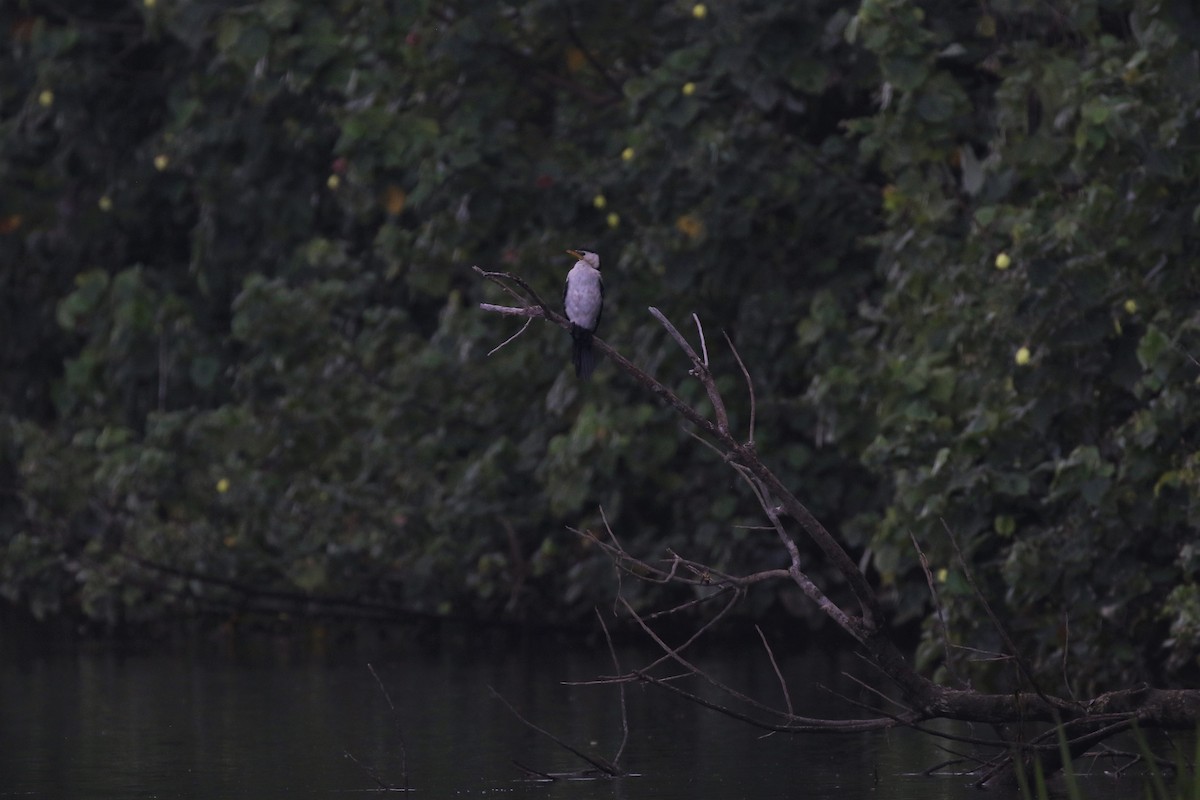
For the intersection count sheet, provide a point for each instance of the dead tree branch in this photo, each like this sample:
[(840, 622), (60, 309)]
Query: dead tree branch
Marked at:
[(1084, 722)]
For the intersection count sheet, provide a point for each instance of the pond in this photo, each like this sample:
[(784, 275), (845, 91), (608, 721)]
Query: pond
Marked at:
[(258, 717)]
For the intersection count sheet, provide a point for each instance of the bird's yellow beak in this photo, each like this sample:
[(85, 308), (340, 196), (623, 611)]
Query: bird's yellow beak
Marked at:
[(575, 253)]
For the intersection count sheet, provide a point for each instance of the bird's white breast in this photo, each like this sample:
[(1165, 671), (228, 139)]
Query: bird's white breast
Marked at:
[(584, 296)]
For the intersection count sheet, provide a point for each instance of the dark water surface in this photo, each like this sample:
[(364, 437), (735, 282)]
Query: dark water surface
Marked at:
[(268, 719)]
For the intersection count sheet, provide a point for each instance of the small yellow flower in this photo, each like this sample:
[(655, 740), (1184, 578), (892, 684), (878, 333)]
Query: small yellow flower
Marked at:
[(394, 199), (1003, 261), (1131, 306), (599, 201), (689, 89), (161, 162), (690, 226), (223, 485), (105, 203), (333, 182), (1022, 357), (627, 154), (613, 220), (46, 98), (699, 11)]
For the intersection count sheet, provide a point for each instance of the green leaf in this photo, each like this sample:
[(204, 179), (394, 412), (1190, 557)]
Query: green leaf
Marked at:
[(906, 74), (935, 106), (1153, 348), (90, 287), (203, 371)]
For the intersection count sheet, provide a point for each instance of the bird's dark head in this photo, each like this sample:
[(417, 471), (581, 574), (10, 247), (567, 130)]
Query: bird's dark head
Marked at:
[(587, 257)]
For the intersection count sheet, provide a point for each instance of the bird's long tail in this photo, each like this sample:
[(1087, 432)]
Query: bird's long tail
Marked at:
[(582, 354)]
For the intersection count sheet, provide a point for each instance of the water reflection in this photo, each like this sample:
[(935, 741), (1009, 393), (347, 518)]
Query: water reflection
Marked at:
[(262, 719)]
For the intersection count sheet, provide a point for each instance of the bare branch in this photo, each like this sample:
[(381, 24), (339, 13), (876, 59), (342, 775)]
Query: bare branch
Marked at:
[(674, 333), (793, 725), (512, 311), (1066, 649), (619, 548), (795, 572), (383, 785), (674, 655), (1088, 722), (987, 608), (396, 720), (749, 385), (787, 697), (699, 369), (939, 610), (912, 715), (598, 763), (500, 278), (624, 714), (690, 604), (703, 345), (501, 309)]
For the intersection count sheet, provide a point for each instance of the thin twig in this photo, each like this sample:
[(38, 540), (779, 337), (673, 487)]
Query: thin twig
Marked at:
[(616, 566), (690, 604), (705, 575), (938, 608), (794, 724), (674, 654), (999, 626), (749, 385), (374, 773), (511, 338), (703, 344), (787, 697), (396, 721), (616, 760), (598, 763), (868, 687), (1066, 653), (674, 333), (534, 773), (699, 369)]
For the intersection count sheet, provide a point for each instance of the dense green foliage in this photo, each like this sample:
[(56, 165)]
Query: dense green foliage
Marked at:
[(1037, 371), (954, 243)]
